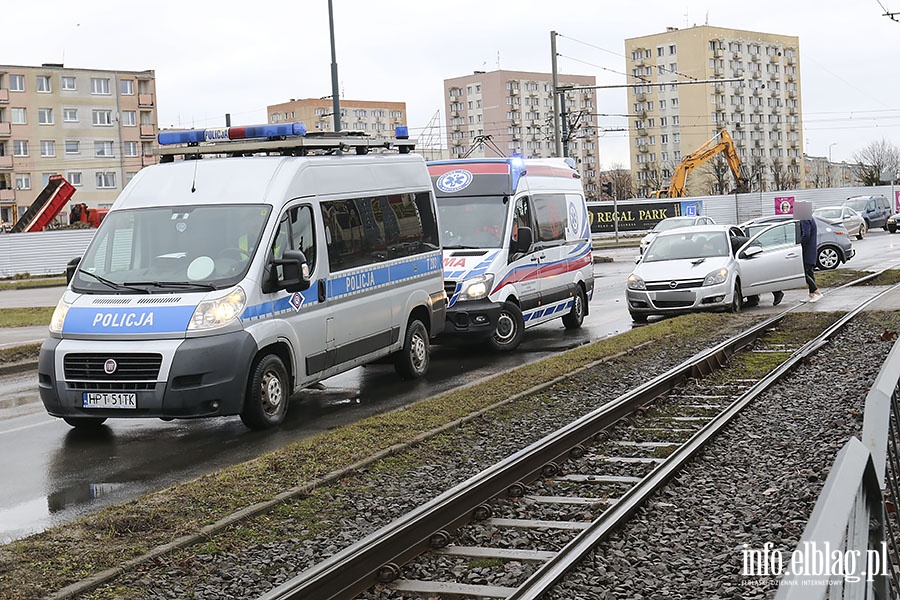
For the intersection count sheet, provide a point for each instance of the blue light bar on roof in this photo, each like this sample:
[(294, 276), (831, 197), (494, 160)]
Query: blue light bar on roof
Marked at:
[(195, 136)]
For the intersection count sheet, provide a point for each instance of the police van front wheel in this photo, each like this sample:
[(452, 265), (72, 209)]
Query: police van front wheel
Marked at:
[(265, 405), (412, 360), (510, 329)]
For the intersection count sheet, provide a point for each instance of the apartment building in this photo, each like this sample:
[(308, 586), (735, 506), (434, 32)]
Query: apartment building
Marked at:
[(753, 92), (501, 113), (95, 127), (372, 117)]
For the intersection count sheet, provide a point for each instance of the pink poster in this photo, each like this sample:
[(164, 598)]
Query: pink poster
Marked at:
[(784, 205), (896, 200)]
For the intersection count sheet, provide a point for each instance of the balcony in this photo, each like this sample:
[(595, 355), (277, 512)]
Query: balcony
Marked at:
[(739, 72), (738, 56), (148, 131), (514, 92), (7, 195), (739, 108), (792, 94), (4, 95), (754, 57), (643, 148), (145, 99), (774, 58), (641, 97), (5, 128), (6, 162)]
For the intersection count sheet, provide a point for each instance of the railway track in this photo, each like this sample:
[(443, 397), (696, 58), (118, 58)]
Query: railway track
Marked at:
[(573, 488)]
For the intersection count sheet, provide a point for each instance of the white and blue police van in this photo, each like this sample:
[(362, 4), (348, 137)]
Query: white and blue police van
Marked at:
[(517, 246), (222, 281)]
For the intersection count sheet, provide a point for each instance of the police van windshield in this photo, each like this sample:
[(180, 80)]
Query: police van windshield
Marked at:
[(473, 221), (163, 249)]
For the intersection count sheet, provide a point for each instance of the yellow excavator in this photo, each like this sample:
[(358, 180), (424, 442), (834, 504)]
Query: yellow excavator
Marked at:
[(721, 142)]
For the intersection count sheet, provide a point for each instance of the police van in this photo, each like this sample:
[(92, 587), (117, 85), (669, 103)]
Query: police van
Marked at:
[(221, 286), (517, 246)]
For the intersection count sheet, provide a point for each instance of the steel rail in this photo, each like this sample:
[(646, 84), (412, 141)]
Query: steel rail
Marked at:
[(553, 570), (376, 557)]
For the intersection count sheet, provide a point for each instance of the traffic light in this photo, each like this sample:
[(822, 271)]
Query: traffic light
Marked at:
[(606, 186)]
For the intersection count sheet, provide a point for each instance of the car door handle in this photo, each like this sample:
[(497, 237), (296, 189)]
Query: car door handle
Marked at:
[(791, 255)]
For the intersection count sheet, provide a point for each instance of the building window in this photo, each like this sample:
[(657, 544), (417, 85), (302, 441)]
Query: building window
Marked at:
[(45, 116), (100, 86), (128, 118), (70, 115), (48, 148), (23, 181), (106, 179), (126, 87), (18, 116), (20, 147), (71, 146), (671, 49), (74, 177), (103, 148), (68, 83), (147, 148), (43, 84), (17, 83), (131, 149), (102, 117)]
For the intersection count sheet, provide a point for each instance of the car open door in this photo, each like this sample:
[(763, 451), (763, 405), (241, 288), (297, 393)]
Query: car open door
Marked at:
[(772, 260)]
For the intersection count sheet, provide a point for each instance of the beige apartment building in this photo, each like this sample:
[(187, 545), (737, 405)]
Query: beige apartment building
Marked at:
[(97, 128), (372, 117), (753, 93), (499, 113)]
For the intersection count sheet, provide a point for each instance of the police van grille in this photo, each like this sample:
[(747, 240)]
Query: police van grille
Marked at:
[(129, 367), (111, 301), (159, 300)]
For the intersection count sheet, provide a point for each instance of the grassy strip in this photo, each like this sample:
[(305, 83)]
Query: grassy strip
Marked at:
[(19, 353), (25, 317), (50, 560), (22, 284)]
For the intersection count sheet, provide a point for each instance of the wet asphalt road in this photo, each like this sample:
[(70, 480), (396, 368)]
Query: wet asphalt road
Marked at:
[(52, 474)]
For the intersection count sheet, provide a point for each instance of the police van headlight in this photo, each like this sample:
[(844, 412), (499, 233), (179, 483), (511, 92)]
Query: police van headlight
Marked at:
[(219, 311), (476, 288), (59, 316)]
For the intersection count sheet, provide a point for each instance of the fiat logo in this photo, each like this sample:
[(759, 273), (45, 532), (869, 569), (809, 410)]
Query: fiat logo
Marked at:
[(110, 366), (673, 284)]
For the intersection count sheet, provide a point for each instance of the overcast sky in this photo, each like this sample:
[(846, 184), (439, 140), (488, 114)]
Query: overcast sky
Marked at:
[(213, 58)]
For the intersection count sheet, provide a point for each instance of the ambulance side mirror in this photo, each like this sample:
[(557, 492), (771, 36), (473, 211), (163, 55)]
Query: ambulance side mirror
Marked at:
[(524, 240)]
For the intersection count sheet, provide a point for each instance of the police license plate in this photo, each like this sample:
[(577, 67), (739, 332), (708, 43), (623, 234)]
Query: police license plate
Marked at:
[(109, 400)]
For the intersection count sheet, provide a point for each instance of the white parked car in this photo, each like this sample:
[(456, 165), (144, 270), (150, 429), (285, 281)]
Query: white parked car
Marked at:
[(673, 223), (852, 221), (713, 267)]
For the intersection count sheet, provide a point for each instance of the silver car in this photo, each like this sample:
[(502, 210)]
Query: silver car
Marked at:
[(713, 267), (833, 241), (852, 221)]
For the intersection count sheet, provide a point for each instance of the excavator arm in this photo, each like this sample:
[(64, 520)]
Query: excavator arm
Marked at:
[(721, 142)]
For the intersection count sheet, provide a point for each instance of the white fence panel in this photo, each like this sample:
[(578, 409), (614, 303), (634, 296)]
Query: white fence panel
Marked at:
[(42, 252)]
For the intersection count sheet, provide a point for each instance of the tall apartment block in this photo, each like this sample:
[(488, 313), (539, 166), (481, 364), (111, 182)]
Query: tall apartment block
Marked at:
[(377, 118), (754, 95), (499, 113), (95, 127)]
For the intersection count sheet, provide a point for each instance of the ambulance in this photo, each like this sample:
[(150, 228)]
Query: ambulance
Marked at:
[(516, 246), (249, 264)]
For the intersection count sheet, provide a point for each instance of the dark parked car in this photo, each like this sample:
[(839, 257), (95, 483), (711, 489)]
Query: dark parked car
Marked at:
[(874, 209), (834, 242)]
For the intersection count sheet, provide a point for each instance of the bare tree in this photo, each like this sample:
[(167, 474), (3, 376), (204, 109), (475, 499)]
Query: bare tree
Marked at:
[(779, 174), (875, 159), (720, 176), (620, 177)]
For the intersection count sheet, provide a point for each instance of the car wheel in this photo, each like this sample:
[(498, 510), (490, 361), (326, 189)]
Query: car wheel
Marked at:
[(575, 317), (85, 423), (828, 258), (412, 361), (638, 318), (265, 404), (510, 329), (737, 299), (862, 231)]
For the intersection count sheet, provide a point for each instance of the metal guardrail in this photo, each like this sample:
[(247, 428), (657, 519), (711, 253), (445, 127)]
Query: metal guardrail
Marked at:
[(849, 548)]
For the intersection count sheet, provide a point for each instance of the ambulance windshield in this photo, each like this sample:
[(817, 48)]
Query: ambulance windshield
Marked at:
[(473, 221), (163, 249)]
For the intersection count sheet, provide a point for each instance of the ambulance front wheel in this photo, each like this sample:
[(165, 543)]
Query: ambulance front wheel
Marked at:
[(412, 360), (510, 328), (265, 405)]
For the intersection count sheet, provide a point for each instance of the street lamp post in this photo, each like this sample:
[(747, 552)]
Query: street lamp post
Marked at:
[(829, 161)]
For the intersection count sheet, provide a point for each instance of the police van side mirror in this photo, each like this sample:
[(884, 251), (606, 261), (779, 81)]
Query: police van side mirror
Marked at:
[(524, 240), (71, 267), (294, 270)]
